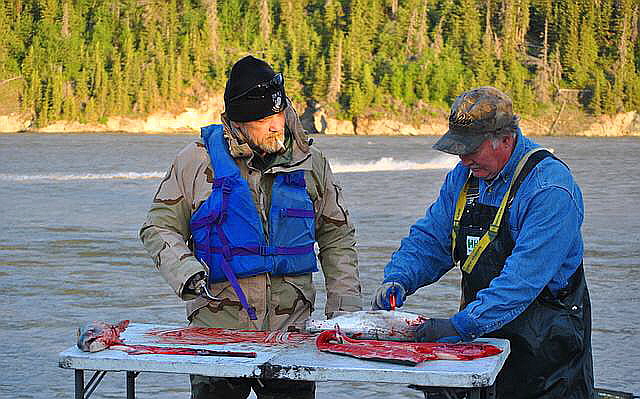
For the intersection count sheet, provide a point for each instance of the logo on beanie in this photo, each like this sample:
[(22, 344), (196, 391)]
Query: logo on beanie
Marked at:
[(277, 101)]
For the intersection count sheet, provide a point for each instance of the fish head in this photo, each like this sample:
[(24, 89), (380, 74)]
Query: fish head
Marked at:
[(89, 338), (98, 335)]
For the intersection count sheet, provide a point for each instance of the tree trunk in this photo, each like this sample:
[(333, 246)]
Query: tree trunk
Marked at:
[(265, 22), (335, 74)]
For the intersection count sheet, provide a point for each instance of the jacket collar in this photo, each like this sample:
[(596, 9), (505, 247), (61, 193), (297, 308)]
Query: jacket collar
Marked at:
[(521, 147)]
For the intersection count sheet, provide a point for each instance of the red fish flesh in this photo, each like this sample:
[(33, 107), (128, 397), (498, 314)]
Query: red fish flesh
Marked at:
[(408, 353), (98, 335), (212, 336)]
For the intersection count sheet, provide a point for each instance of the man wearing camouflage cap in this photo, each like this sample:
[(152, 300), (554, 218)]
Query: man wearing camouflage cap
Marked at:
[(509, 214), (233, 225)]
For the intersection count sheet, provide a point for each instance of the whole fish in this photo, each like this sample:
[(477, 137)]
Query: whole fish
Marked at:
[(384, 325), (98, 335)]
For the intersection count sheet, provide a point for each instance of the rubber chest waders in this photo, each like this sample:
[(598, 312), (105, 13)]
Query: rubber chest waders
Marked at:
[(550, 340)]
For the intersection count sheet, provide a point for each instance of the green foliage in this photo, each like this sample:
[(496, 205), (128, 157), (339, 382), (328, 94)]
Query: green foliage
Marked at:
[(88, 60)]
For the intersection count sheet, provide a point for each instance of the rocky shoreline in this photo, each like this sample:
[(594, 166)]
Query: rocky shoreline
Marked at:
[(316, 120)]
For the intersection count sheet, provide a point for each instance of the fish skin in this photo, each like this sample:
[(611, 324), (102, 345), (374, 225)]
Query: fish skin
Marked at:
[(98, 335), (383, 325)]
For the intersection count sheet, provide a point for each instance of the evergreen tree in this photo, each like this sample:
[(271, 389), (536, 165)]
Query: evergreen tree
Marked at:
[(5, 32), (320, 81), (56, 91), (335, 67), (87, 60), (265, 25), (542, 79)]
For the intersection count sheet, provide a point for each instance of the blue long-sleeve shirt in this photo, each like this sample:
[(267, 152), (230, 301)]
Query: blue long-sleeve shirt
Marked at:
[(544, 220)]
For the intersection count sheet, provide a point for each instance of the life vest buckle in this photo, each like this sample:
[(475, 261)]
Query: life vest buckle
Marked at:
[(226, 188), (266, 250), (226, 253)]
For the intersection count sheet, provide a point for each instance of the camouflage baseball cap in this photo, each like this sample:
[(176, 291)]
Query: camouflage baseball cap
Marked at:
[(475, 115)]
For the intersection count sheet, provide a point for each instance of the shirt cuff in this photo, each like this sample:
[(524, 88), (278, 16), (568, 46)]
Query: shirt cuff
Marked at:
[(466, 326), (395, 278), (189, 268)]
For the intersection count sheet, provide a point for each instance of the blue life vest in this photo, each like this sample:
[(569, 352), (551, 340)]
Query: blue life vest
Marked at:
[(227, 229)]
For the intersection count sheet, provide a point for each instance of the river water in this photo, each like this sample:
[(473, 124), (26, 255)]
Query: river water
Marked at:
[(69, 253)]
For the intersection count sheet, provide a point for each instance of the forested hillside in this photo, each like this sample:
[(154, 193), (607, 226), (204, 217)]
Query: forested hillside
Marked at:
[(86, 60)]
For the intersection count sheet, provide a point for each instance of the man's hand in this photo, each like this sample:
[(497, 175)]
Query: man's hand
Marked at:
[(382, 297), (195, 282), (199, 285), (437, 330)]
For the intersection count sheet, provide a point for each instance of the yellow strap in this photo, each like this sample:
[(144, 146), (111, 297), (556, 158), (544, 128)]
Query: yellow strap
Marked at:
[(462, 200), (490, 235)]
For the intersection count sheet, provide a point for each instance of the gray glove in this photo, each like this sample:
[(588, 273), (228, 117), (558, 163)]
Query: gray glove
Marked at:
[(382, 297), (437, 330)]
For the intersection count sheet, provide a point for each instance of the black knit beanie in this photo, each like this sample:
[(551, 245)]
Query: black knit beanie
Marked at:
[(246, 74)]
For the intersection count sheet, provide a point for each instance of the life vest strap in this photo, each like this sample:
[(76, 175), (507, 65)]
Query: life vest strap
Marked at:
[(228, 272), (209, 220), (297, 213), (263, 250)]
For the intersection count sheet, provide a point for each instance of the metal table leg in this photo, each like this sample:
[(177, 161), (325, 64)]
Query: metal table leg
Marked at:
[(475, 394), (79, 384), (131, 384), (91, 386), (482, 393), (456, 393)]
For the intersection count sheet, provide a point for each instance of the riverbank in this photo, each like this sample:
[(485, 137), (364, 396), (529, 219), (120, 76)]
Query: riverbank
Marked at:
[(563, 121)]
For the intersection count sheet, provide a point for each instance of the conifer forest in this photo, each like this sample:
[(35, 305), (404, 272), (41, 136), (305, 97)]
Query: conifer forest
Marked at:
[(86, 60)]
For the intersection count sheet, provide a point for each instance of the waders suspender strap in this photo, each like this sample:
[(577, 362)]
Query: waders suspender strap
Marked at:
[(462, 200), (491, 234)]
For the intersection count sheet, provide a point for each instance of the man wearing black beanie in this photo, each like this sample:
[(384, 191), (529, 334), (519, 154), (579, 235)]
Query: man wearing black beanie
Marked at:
[(254, 101), (233, 225)]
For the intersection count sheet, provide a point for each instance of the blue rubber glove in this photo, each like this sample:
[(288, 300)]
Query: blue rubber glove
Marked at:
[(437, 330), (381, 300)]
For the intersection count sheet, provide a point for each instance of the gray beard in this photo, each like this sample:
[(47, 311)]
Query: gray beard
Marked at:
[(269, 146)]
